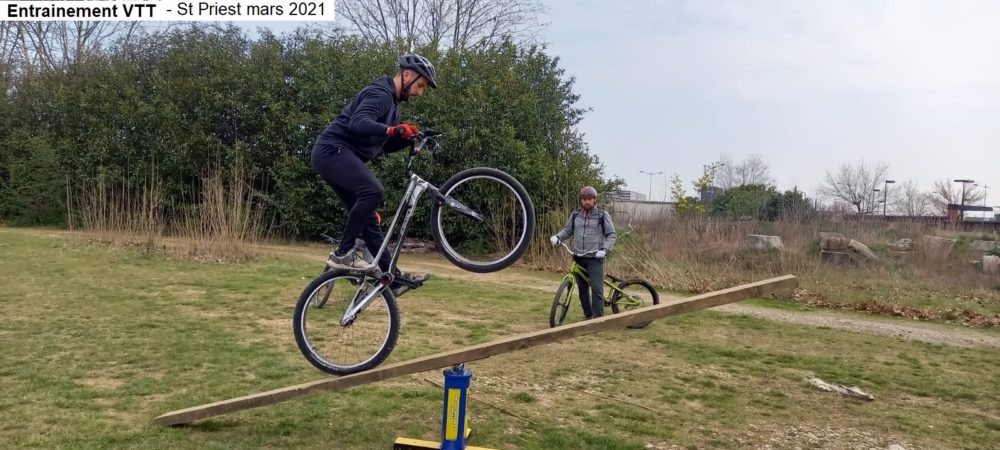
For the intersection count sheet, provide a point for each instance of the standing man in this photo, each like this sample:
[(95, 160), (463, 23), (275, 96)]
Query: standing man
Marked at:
[(367, 127), (594, 236)]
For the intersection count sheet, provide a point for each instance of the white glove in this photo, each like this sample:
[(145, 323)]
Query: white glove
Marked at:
[(554, 240), (601, 254)]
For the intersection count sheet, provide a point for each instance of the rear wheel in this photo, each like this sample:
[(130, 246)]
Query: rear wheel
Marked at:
[(560, 304), (345, 349), (635, 293), (485, 222)]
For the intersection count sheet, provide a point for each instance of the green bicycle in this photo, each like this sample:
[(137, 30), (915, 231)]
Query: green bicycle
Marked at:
[(622, 295)]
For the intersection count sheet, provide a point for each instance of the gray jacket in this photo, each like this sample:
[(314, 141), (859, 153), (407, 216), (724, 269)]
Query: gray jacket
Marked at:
[(587, 231)]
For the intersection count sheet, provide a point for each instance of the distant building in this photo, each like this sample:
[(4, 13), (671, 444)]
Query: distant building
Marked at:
[(625, 195), (709, 194), (956, 213), (627, 210)]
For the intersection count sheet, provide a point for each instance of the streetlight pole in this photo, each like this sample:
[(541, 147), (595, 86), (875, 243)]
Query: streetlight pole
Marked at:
[(885, 194), (650, 197), (666, 183), (961, 213), (874, 206), (986, 191), (714, 165)]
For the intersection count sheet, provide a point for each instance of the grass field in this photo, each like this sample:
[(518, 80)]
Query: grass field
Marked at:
[(98, 341)]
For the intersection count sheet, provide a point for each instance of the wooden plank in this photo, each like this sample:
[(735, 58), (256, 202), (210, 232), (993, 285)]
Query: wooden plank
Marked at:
[(481, 351)]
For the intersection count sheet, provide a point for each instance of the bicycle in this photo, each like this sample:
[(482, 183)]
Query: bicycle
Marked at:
[(622, 295), (482, 219)]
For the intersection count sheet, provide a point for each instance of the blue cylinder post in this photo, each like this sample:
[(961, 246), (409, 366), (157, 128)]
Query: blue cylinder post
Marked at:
[(456, 386)]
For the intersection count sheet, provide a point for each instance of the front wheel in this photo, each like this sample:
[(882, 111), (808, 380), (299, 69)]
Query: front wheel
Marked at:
[(485, 220), (345, 349), (560, 304), (634, 294)]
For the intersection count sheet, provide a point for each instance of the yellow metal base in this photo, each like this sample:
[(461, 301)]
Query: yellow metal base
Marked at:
[(417, 444)]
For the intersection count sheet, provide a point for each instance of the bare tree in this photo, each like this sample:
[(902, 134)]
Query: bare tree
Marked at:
[(944, 192), (392, 21), (909, 200), (752, 170), (7, 52), (458, 23), (30, 46), (856, 185)]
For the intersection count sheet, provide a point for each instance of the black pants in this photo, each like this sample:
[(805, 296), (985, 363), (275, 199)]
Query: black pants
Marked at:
[(360, 192), (591, 290)]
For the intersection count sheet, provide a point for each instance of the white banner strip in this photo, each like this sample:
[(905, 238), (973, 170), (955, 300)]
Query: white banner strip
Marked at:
[(168, 10)]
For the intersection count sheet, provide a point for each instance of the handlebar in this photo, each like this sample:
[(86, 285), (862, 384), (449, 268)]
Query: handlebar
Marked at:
[(570, 251), (423, 139)]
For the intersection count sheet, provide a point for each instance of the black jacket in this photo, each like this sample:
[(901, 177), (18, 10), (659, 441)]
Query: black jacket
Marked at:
[(362, 125)]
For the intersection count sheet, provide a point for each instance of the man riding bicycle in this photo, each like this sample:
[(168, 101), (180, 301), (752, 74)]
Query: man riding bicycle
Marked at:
[(594, 236), (367, 127)]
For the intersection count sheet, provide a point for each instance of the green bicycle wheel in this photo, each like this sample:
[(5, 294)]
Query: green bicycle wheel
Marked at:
[(634, 294), (560, 304)]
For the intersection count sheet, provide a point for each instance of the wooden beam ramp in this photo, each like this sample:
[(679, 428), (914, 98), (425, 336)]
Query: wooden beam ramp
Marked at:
[(481, 351)]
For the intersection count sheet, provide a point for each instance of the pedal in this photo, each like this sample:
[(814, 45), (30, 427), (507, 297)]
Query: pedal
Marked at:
[(407, 283)]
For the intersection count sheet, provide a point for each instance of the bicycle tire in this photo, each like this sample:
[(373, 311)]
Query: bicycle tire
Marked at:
[(517, 240), (642, 285), (330, 313), (560, 304)]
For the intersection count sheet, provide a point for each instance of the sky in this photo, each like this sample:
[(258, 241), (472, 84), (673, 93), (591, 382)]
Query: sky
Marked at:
[(809, 85)]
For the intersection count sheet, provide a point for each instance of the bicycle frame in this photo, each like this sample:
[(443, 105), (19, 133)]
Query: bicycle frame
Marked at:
[(609, 281), (406, 209)]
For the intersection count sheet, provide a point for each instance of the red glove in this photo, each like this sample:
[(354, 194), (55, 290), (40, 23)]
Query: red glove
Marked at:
[(403, 130)]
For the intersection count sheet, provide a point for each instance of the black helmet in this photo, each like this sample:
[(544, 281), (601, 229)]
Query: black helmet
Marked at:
[(420, 65), (588, 191)]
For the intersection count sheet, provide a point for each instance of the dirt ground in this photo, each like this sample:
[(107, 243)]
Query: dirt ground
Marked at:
[(855, 322)]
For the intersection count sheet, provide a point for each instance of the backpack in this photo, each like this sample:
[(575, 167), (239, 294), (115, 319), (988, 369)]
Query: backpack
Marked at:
[(600, 217)]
